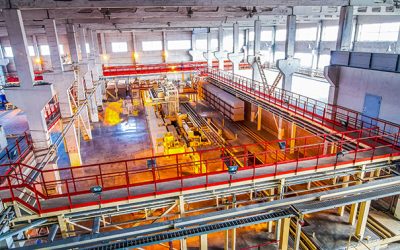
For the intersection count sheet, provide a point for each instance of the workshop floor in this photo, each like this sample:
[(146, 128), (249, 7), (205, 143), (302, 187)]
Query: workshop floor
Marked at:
[(126, 140)]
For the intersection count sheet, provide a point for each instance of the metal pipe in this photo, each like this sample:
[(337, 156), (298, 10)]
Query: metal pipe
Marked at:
[(10, 234), (53, 232), (96, 225)]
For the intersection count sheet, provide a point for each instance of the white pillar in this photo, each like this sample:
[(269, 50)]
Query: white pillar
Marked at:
[(21, 97), (345, 28)]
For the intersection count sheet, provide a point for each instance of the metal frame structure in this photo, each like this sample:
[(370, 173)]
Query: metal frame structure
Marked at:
[(151, 69), (124, 181)]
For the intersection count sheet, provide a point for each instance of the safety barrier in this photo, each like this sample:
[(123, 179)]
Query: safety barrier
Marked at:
[(330, 116), (13, 153), (145, 177)]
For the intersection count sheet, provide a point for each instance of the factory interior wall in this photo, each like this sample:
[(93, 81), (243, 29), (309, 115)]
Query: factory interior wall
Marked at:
[(355, 83)]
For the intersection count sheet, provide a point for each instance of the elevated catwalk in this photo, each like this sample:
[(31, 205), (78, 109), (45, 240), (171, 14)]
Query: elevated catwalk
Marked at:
[(353, 140)]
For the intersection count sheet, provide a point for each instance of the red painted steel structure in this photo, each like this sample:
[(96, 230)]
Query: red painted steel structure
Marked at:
[(131, 179), (125, 180), (336, 118), (14, 153), (148, 69)]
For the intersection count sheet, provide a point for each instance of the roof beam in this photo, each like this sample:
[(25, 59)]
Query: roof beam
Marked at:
[(51, 4)]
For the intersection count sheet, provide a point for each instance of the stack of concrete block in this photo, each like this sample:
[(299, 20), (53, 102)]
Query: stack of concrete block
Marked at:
[(224, 102)]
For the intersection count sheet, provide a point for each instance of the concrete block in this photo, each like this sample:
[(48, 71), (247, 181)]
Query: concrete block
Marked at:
[(385, 62), (340, 58), (360, 60)]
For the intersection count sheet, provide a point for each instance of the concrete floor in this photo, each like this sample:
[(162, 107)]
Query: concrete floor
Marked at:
[(126, 140)]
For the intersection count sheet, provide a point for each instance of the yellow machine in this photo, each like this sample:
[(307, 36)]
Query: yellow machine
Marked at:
[(171, 145)]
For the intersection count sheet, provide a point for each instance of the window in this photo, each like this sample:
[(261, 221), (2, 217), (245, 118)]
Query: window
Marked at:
[(8, 52), (214, 44), (44, 50), (241, 40), (87, 48), (330, 33), (179, 45), (379, 32), (228, 43), (306, 34), (266, 35), (251, 36), (279, 55), (201, 44), (280, 35), (151, 45), (119, 47), (324, 60), (305, 59), (31, 51), (61, 49)]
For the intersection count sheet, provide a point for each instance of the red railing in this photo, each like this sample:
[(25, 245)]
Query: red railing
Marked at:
[(146, 69), (145, 177), (14, 152), (333, 117)]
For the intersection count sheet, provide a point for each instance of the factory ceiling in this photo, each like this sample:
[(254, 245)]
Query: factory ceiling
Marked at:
[(185, 14)]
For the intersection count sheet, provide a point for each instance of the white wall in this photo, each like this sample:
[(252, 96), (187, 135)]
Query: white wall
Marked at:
[(355, 83)]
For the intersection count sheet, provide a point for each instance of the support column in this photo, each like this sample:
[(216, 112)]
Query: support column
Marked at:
[(52, 40), (37, 51), (21, 96), (278, 225), (317, 48), (397, 208), (345, 28), (252, 59), (208, 54), (182, 214), (289, 65), (273, 46), (292, 135), (62, 81), (72, 43), (345, 184), (164, 48), (332, 73), (284, 234), (203, 242), (221, 55), (298, 233), (354, 207), (135, 55), (197, 55), (86, 76), (259, 118), (236, 57), (362, 219), (398, 43)]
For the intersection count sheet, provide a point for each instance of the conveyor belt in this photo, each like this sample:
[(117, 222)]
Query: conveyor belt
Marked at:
[(206, 229), (199, 122)]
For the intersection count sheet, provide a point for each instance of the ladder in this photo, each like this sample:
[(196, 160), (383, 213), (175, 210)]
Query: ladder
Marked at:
[(261, 70), (276, 81)]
